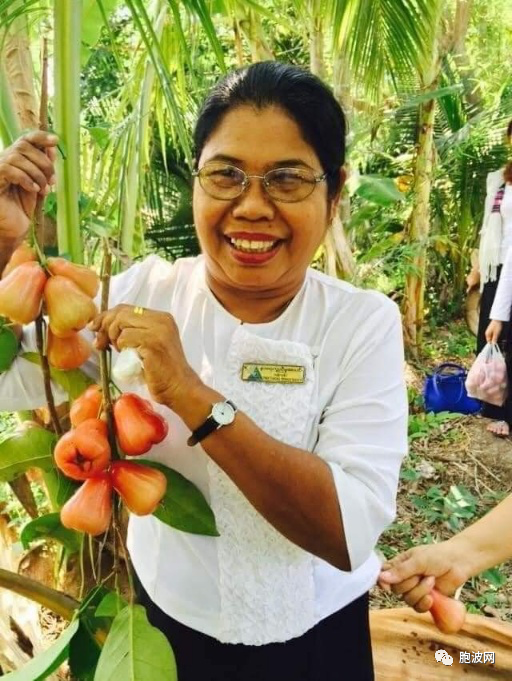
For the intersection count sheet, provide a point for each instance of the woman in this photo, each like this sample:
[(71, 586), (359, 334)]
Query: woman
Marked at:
[(448, 565), (302, 473), (495, 241)]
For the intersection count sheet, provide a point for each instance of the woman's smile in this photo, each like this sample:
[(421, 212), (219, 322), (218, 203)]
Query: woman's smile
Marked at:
[(253, 248)]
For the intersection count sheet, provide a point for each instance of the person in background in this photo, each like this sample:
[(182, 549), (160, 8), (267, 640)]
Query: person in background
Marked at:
[(496, 238), (283, 389), (449, 564)]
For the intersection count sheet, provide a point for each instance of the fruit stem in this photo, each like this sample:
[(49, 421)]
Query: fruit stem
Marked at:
[(106, 269), (46, 375), (38, 225)]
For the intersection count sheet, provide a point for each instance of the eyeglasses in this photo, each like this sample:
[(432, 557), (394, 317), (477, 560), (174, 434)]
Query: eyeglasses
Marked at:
[(226, 182)]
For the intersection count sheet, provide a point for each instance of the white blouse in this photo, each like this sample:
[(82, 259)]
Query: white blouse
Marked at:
[(500, 310), (251, 585)]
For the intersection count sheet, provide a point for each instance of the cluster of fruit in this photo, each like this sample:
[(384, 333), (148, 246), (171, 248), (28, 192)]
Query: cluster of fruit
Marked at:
[(487, 378), (84, 454), (65, 289)]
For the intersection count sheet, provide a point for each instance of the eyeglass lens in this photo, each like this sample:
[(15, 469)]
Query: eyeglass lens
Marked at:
[(226, 182)]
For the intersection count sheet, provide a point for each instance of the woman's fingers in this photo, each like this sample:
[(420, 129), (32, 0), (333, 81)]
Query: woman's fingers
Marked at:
[(424, 604), (110, 325), (406, 585), (41, 138), (493, 331), (401, 568), (10, 175), (415, 595), (27, 164)]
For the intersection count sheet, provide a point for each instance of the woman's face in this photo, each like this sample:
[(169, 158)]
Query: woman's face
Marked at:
[(257, 141)]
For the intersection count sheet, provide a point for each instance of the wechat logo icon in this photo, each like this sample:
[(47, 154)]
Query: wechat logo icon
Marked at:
[(442, 656)]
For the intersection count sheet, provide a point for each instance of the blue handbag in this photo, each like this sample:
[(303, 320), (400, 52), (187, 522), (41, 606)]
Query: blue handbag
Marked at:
[(444, 390)]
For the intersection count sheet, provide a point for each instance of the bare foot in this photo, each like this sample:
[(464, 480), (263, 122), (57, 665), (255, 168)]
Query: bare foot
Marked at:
[(499, 428)]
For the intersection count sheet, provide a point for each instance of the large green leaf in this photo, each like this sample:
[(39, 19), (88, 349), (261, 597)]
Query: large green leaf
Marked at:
[(184, 506), (60, 488), (93, 20), (73, 381), (46, 663), (135, 650), (84, 653), (49, 527), (28, 447), (111, 605), (380, 190), (380, 38)]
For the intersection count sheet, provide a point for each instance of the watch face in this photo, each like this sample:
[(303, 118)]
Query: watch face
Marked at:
[(223, 413)]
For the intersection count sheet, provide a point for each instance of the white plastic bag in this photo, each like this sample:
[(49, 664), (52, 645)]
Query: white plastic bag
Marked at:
[(487, 378), (128, 367)]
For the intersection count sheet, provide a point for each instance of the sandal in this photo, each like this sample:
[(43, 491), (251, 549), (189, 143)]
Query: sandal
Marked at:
[(499, 428)]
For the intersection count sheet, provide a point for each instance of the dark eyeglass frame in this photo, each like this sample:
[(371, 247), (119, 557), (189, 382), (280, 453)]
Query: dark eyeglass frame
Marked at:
[(314, 181)]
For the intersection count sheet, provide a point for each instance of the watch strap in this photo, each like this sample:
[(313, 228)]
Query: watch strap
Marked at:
[(209, 426)]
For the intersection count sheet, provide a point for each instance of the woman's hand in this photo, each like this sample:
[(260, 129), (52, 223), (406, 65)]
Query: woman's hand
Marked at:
[(493, 331), (413, 574), (473, 279), (156, 338), (26, 171)]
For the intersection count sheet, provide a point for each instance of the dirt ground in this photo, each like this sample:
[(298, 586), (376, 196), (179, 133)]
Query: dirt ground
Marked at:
[(460, 452)]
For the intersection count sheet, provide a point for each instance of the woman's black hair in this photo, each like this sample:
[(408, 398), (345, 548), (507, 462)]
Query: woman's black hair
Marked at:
[(303, 96), (509, 130)]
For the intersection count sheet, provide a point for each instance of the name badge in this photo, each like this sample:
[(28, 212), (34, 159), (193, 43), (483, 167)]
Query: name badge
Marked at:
[(273, 373)]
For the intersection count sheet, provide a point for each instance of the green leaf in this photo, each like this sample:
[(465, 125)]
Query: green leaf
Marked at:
[(495, 578), (100, 134), (380, 190), (60, 488), (84, 653), (8, 347), (49, 527), (46, 663), (73, 381), (88, 608), (92, 23), (100, 227), (28, 447), (184, 506), (136, 650), (111, 605)]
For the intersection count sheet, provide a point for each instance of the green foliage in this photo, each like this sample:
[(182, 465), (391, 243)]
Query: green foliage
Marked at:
[(49, 526), (135, 650), (111, 605), (424, 424), (28, 447), (184, 506), (454, 508)]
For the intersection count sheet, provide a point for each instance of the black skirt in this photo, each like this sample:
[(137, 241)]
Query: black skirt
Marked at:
[(491, 411), (337, 649)]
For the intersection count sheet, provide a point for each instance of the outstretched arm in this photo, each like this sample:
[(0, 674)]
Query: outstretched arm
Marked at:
[(480, 546)]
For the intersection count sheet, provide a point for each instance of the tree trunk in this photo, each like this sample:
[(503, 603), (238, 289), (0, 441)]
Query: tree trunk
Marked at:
[(460, 56), (418, 228), (316, 46), (239, 50), (344, 259), (250, 24), (17, 62)]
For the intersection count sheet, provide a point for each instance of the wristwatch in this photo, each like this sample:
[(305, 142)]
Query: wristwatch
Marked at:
[(222, 414)]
